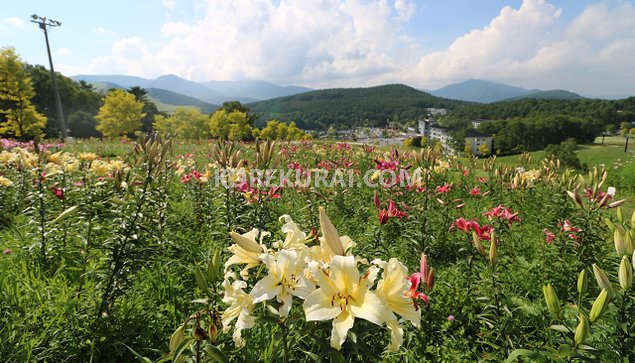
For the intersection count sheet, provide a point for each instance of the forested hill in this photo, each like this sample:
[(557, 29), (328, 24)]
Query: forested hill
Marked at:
[(349, 107), (603, 111)]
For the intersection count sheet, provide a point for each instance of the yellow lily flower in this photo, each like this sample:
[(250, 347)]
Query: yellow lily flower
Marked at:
[(246, 251), (295, 239), (285, 280), (331, 244), (391, 289), (240, 306), (343, 296)]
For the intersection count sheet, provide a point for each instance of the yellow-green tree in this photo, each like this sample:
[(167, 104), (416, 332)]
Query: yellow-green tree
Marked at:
[(483, 149), (120, 115), (276, 130), (293, 132), (230, 125), (186, 123), (18, 116)]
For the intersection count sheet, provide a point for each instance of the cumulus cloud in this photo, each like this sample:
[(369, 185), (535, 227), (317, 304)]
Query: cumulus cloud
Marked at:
[(331, 43), (292, 41), (531, 47)]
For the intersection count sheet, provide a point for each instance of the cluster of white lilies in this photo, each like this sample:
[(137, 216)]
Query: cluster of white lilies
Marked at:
[(329, 282)]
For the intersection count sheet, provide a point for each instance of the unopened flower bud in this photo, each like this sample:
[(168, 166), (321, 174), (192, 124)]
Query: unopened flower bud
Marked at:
[(213, 333), (625, 274), (599, 305), (582, 330), (478, 244), (553, 304), (200, 333), (602, 280), (493, 251), (576, 197), (619, 242), (582, 283), (430, 280)]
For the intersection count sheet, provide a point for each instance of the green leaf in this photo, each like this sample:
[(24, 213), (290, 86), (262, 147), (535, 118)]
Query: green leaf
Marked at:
[(560, 328), (181, 348), (67, 213), (137, 355), (216, 354), (201, 281), (519, 353)]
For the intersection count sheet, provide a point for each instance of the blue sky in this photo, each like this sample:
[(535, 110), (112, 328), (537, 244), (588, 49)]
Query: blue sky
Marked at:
[(584, 46)]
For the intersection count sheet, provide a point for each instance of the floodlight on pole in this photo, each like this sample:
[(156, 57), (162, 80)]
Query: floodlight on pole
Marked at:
[(43, 23)]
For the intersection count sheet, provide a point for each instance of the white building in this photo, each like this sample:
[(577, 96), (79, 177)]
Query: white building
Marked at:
[(474, 139)]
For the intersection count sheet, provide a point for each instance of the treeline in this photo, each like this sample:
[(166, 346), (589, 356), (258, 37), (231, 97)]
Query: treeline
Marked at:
[(351, 107), (607, 112), (536, 133), (27, 110)]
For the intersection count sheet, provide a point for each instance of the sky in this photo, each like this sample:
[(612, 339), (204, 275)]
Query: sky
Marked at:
[(585, 46)]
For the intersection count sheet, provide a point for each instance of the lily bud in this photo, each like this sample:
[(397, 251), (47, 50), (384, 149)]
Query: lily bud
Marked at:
[(609, 224), (423, 268), (619, 242), (582, 283), (376, 200), (329, 233), (617, 203), (493, 251), (599, 305), (576, 197), (633, 220), (212, 267), (246, 243), (553, 304), (629, 242), (213, 333), (583, 329), (200, 279), (478, 244), (430, 280), (619, 215), (625, 274), (602, 280)]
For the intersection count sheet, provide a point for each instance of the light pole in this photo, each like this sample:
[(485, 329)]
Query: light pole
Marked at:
[(43, 23)]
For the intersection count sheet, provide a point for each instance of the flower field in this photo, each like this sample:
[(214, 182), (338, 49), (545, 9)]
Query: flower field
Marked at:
[(306, 251)]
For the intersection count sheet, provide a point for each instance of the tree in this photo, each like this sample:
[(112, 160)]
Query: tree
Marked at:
[(186, 123), (565, 152), (231, 106), (230, 125), (18, 116), (120, 115), (149, 108), (75, 96), (82, 124)]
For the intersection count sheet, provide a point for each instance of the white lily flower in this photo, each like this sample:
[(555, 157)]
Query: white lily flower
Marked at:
[(240, 307), (285, 280), (343, 296), (295, 239), (246, 250)]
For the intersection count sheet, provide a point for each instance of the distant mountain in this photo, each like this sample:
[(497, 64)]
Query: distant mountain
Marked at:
[(349, 107), (257, 90), (556, 94), (476, 90), (214, 92), (168, 101)]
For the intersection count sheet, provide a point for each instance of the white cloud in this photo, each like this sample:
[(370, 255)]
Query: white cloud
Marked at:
[(310, 42), (63, 52), (329, 43), (16, 22), (169, 4), (531, 47)]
